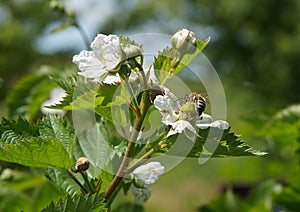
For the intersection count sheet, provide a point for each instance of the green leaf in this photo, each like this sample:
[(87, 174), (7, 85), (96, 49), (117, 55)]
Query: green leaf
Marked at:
[(162, 63), (13, 131), (187, 58), (93, 144), (62, 180), (206, 145), (59, 128), (37, 152), (229, 145), (78, 204), (166, 64), (27, 96)]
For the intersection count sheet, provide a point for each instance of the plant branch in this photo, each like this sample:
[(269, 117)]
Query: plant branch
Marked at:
[(145, 104)]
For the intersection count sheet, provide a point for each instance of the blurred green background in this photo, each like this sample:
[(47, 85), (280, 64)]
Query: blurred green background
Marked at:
[(255, 48)]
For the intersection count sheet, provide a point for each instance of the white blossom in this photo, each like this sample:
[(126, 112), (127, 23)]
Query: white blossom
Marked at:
[(56, 95), (141, 195), (178, 116), (149, 172), (100, 63), (168, 105)]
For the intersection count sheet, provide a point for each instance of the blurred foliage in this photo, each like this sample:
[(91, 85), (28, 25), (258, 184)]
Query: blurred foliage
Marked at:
[(256, 43), (22, 22)]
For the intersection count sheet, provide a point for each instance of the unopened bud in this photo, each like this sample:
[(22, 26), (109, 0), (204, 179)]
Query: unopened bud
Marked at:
[(82, 164), (132, 51), (184, 41)]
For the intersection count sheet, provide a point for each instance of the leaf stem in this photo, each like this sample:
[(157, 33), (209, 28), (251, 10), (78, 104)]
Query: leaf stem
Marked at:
[(86, 179), (83, 35), (77, 182)]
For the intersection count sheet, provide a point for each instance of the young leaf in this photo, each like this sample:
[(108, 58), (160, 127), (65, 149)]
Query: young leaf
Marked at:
[(37, 152), (162, 64), (167, 64)]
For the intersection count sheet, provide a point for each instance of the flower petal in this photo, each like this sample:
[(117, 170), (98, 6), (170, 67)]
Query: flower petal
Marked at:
[(112, 79), (149, 172), (89, 65), (108, 50)]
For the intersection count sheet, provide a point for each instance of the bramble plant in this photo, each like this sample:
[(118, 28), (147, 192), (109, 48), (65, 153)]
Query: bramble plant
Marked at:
[(93, 157)]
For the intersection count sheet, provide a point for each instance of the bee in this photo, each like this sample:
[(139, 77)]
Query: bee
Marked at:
[(198, 99)]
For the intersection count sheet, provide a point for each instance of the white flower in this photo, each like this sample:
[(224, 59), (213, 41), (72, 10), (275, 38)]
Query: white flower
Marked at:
[(56, 95), (105, 56), (182, 118), (141, 195), (184, 41), (168, 106), (149, 172)]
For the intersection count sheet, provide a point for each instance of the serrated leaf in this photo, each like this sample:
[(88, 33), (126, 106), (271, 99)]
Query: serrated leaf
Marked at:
[(56, 127), (37, 152), (78, 204), (13, 131), (63, 181), (229, 145), (162, 63)]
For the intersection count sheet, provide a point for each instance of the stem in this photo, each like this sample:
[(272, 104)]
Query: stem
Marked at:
[(83, 35), (139, 161), (142, 73), (86, 179), (124, 164), (77, 182), (114, 194), (135, 104), (145, 104)]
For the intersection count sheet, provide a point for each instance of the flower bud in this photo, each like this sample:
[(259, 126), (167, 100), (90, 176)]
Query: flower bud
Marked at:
[(132, 51), (82, 164), (184, 41)]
